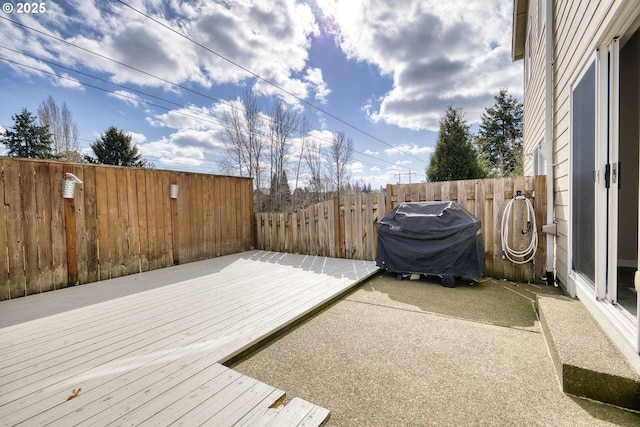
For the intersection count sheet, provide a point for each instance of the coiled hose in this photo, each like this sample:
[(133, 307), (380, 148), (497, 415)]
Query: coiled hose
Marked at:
[(526, 255)]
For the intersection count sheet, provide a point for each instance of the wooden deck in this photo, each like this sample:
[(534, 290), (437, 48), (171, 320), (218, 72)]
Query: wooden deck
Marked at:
[(146, 349)]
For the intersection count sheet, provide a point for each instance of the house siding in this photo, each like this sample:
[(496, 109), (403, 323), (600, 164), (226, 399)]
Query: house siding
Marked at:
[(534, 91), (579, 27)]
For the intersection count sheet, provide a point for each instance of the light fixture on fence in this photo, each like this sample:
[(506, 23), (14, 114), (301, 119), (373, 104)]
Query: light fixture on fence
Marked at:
[(69, 185), (173, 191)]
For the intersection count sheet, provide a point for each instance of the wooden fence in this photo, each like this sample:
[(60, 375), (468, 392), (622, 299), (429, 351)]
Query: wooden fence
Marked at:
[(345, 227), (121, 221)]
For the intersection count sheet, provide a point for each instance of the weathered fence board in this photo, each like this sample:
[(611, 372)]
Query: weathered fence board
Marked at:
[(121, 221), (351, 233), (343, 228)]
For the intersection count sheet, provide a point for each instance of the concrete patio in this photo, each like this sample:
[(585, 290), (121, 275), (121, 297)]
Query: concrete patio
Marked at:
[(416, 353)]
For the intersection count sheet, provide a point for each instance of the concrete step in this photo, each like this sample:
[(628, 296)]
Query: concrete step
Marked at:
[(588, 364)]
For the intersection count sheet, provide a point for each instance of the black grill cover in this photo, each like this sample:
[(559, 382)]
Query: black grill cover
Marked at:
[(439, 238)]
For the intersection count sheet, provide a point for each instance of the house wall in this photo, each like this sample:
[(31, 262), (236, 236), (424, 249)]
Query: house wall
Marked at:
[(577, 24), (534, 87), (580, 26)]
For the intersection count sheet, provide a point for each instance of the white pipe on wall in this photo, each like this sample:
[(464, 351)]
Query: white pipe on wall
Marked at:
[(547, 149)]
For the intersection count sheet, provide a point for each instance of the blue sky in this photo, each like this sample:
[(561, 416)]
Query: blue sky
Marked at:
[(385, 69)]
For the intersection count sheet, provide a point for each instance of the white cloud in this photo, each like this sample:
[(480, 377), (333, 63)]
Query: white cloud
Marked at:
[(356, 167), (166, 152), (137, 138), (271, 39), (185, 148), (314, 77), (68, 82), (189, 117), (321, 137), (402, 162), (412, 149), (127, 97), (437, 53)]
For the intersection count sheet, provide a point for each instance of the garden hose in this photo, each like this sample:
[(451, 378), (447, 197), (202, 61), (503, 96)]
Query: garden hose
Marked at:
[(513, 255)]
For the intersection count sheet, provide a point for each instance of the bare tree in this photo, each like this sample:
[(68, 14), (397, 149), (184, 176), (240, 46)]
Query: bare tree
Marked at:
[(304, 132), (339, 156), (315, 164), (254, 140), (282, 125), (63, 129), (243, 137), (235, 159)]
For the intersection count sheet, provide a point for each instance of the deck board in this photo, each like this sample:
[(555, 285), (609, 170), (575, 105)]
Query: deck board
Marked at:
[(147, 348)]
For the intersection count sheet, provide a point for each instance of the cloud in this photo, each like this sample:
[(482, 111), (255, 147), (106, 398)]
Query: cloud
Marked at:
[(190, 117), (68, 82), (232, 42), (402, 162), (437, 53), (314, 77), (321, 137), (137, 138), (185, 148), (356, 167), (412, 149), (127, 97)]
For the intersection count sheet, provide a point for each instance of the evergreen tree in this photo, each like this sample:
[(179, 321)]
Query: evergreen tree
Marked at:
[(454, 157), (500, 135), (114, 148), (26, 139)]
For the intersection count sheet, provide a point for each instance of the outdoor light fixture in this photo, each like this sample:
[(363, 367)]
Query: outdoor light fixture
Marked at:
[(173, 191), (69, 185)]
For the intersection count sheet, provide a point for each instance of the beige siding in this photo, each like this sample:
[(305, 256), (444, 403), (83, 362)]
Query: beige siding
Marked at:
[(534, 90), (579, 28)]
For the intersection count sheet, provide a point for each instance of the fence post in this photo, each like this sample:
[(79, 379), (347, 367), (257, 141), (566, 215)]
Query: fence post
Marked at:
[(70, 234), (389, 198), (339, 227)]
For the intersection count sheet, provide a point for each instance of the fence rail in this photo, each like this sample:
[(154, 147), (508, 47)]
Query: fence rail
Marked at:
[(121, 221), (345, 226)]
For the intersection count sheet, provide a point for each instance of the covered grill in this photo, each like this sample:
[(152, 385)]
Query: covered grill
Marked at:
[(431, 238)]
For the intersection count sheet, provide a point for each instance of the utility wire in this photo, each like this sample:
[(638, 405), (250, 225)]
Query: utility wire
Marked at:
[(266, 80), (134, 99), (155, 77), (170, 83)]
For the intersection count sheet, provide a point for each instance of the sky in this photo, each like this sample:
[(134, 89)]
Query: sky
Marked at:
[(163, 71)]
